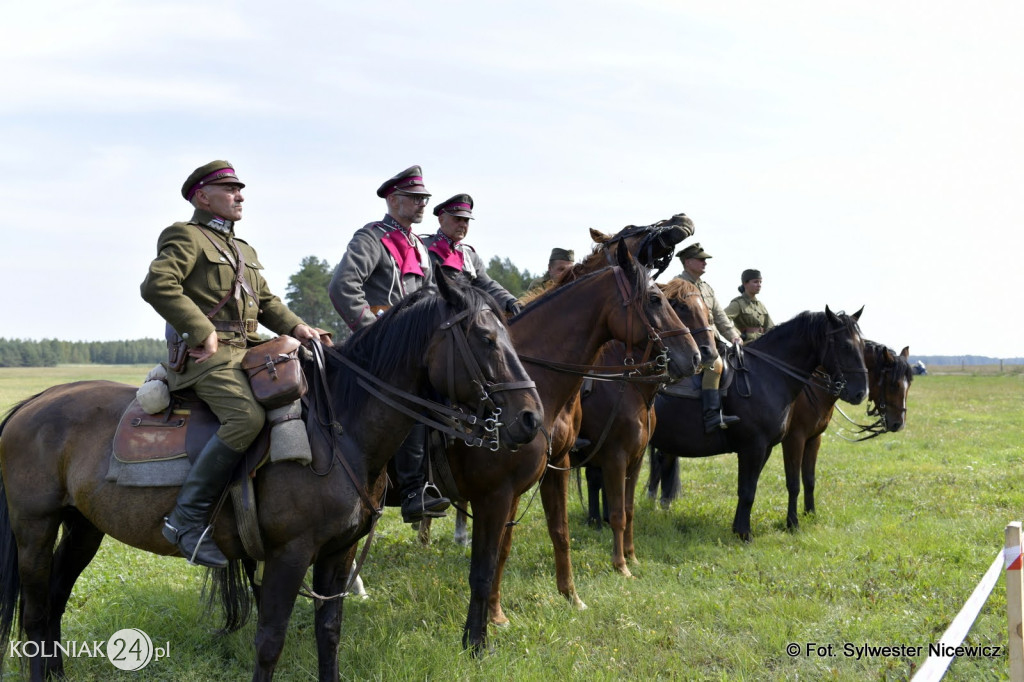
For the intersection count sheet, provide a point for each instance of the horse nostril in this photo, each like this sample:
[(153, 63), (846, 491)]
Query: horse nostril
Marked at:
[(530, 419)]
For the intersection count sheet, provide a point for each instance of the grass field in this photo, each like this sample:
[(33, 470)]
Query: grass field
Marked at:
[(906, 526)]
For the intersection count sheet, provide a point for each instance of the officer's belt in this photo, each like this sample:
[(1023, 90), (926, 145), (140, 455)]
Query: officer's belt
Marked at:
[(752, 329), (237, 326)]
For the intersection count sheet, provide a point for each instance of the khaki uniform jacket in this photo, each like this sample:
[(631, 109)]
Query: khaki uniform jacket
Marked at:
[(724, 328), (473, 269), (369, 276), (188, 278), (749, 316)]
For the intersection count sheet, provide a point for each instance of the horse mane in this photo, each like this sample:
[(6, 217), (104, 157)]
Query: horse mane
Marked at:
[(573, 276), (396, 341), (900, 367), (677, 288), (806, 324)]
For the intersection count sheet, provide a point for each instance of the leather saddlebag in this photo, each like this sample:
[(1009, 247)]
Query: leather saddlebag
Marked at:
[(275, 372)]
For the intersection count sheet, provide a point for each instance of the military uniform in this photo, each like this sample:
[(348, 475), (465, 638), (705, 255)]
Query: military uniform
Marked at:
[(196, 268), (749, 316), (383, 264), (724, 328)]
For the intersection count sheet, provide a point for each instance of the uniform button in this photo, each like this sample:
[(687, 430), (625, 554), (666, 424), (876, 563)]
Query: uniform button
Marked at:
[(222, 259)]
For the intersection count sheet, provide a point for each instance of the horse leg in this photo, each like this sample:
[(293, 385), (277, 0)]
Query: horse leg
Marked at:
[(282, 576), (750, 465), (36, 537), (614, 487), (792, 456), (654, 473), (461, 536), (490, 533), (595, 486), (671, 484), (423, 531), (330, 578), (632, 477), (78, 545), (554, 493), (809, 464)]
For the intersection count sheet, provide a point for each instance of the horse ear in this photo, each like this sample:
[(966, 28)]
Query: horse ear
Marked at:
[(445, 285), (905, 353), (856, 315), (831, 316), (625, 259), (599, 237)]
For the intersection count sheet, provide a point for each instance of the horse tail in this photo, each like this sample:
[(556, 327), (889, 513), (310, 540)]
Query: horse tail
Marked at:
[(10, 579), (230, 587)]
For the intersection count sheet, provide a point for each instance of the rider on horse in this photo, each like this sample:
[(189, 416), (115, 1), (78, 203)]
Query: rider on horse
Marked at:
[(207, 286), (384, 262)]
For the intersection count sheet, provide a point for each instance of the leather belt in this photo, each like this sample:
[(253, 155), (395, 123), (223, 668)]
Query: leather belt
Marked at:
[(752, 329), (237, 326)]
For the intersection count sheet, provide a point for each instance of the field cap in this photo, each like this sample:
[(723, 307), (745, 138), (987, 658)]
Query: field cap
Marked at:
[(460, 205), (693, 251), (750, 274), (213, 173), (409, 181), (562, 254)]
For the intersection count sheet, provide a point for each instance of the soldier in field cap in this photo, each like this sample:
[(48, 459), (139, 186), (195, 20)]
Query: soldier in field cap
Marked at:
[(200, 285), (447, 248), (560, 261), (384, 262), (695, 260)]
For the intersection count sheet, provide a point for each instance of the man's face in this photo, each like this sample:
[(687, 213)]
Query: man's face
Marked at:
[(223, 199), (695, 266), (557, 268), (453, 227), (409, 208)]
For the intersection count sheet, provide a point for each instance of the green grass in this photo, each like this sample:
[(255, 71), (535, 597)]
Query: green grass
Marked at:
[(906, 526)]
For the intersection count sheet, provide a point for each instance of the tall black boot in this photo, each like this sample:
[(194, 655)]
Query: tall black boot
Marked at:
[(713, 417), (189, 525), (418, 498)]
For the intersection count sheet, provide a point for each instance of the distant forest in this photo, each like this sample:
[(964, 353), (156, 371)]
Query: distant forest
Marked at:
[(963, 360), (51, 352)]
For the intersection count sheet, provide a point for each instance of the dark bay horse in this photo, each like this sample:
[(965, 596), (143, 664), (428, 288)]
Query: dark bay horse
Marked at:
[(564, 327), (774, 370), (889, 378), (56, 446), (618, 420)]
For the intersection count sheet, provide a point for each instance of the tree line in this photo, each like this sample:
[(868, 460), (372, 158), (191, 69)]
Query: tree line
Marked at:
[(306, 295)]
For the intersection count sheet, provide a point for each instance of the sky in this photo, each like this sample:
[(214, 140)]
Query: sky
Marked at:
[(857, 153)]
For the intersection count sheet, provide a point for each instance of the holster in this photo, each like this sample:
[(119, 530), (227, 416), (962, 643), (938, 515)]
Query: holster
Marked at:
[(177, 350)]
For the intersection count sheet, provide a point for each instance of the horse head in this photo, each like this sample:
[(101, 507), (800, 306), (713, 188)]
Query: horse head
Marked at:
[(653, 245), (659, 328), (470, 359), (689, 305), (890, 376), (844, 356)]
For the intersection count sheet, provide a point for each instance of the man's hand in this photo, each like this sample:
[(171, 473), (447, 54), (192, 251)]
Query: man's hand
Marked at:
[(304, 333), (738, 341), (206, 350)]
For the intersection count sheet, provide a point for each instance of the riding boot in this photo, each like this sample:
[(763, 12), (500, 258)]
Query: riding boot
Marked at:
[(189, 526), (418, 500), (713, 417)]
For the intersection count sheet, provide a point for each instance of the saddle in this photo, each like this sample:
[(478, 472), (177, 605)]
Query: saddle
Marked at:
[(157, 450), (690, 387)]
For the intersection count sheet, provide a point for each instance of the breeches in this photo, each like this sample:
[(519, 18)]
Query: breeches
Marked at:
[(711, 378), (229, 396)]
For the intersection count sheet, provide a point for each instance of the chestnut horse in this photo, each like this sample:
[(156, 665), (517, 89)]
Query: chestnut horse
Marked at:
[(56, 446), (568, 324), (889, 377), (773, 370), (618, 420)]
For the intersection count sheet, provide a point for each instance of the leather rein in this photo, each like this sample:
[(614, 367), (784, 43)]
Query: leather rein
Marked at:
[(629, 370)]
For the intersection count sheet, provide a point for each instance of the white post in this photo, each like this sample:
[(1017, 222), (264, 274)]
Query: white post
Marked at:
[(1014, 600)]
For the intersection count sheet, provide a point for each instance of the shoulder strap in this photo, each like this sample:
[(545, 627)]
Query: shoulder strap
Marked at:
[(240, 283)]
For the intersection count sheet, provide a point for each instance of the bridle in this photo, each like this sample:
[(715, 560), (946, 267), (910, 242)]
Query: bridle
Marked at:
[(648, 370), (645, 249), (831, 384), (886, 377)]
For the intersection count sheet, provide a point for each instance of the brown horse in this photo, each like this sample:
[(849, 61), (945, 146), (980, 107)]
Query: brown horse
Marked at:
[(568, 324), (56, 446), (889, 377), (773, 370), (618, 420)]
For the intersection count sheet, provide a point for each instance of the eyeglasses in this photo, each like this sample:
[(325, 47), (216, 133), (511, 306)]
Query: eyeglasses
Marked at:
[(419, 199)]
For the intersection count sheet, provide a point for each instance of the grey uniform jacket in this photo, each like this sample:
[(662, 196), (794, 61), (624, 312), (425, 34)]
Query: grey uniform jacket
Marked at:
[(724, 327), (368, 275), (473, 269)]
